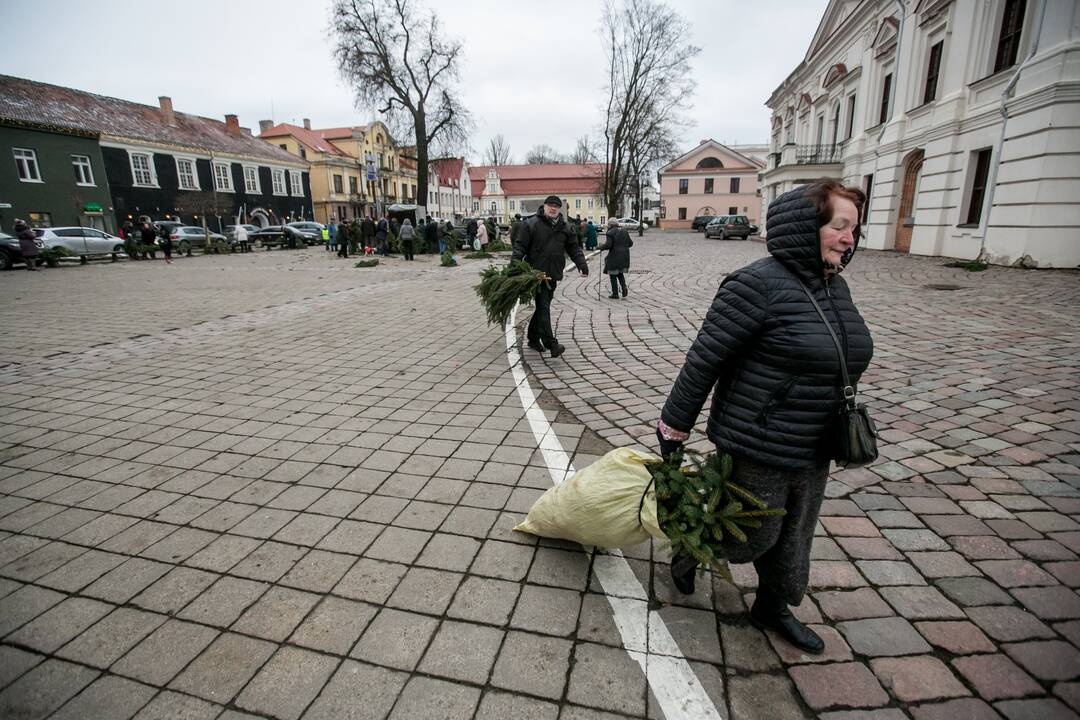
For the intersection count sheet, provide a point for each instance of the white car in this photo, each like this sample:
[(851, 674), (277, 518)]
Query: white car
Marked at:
[(628, 223), (82, 242)]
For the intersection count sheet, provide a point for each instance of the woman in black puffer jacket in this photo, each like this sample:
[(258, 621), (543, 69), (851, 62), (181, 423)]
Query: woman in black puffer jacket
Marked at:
[(775, 376)]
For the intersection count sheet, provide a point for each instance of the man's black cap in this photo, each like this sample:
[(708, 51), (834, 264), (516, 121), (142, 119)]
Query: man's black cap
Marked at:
[(553, 200)]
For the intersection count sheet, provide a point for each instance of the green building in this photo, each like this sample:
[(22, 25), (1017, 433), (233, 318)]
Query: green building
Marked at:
[(52, 177)]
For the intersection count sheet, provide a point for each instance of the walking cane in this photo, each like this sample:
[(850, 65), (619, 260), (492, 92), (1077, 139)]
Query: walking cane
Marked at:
[(598, 274)]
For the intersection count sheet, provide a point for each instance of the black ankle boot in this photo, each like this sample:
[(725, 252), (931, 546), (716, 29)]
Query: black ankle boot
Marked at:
[(683, 570), (774, 614)]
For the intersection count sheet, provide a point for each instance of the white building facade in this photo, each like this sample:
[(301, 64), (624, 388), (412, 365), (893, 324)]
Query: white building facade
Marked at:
[(449, 189), (959, 118)]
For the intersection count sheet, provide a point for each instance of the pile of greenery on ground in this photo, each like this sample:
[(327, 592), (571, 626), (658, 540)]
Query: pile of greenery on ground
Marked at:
[(370, 262), (969, 265), (497, 246), (478, 255), (701, 510), (52, 255), (500, 289), (447, 259)]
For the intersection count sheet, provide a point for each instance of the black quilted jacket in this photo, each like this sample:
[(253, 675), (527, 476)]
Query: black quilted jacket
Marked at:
[(767, 353), (545, 245)]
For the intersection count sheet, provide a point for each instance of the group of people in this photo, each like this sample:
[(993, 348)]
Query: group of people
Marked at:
[(364, 235)]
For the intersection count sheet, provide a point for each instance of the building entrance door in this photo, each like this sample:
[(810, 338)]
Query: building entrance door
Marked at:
[(905, 220)]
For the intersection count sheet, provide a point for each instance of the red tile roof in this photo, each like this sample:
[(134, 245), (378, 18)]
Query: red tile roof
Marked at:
[(314, 139), (448, 170), (548, 179), (52, 105), (341, 133)]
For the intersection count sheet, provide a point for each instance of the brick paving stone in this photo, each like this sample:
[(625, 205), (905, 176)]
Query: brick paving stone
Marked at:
[(1015, 573), (836, 649), (547, 610), (175, 590), (25, 604), (919, 678), (276, 614), (14, 662), (995, 677), (532, 664), (560, 568), (850, 527), (857, 604), (1050, 603), (334, 625), (890, 572), (425, 590), (43, 689), (764, 697), (395, 639), (835, 574), (907, 540), (975, 547), (967, 708), (1043, 550), (957, 637), (428, 697), (462, 651), (608, 679), (164, 652), (358, 691), (920, 603), (223, 668), (942, 564), (1046, 660), (840, 684), (1007, 623), (867, 549), (224, 601), (370, 580), (484, 600), (744, 647), (879, 637), (1069, 694), (107, 697), (61, 623), (288, 682), (973, 591), (171, 705), (1035, 709), (507, 561), (269, 562), (499, 705)]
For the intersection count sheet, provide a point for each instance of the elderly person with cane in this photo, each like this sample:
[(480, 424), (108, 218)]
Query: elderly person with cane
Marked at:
[(617, 243), (781, 335)]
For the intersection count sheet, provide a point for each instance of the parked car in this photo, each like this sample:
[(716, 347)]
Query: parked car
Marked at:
[(728, 226), (309, 232), (169, 225), (700, 221), (82, 242), (10, 253), (628, 223), (230, 230), (186, 237), (273, 235)]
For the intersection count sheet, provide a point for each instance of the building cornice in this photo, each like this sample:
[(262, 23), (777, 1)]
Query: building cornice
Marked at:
[(124, 143)]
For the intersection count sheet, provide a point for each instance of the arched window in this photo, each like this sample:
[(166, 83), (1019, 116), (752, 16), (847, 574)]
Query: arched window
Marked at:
[(709, 162)]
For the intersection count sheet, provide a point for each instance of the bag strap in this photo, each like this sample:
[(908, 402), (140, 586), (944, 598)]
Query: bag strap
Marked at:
[(849, 389)]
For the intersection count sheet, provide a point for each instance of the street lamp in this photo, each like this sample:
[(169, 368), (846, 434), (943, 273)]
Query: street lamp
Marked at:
[(641, 205)]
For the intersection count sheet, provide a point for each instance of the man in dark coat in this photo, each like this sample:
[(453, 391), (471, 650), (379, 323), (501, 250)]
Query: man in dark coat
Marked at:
[(431, 235), (544, 241), (147, 237), (381, 232), (470, 234), (27, 244), (617, 245), (343, 237), (515, 227)]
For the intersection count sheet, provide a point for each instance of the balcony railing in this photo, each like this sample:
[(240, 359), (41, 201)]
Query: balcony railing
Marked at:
[(818, 154)]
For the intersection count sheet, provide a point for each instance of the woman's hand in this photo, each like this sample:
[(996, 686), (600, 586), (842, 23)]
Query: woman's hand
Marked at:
[(667, 447)]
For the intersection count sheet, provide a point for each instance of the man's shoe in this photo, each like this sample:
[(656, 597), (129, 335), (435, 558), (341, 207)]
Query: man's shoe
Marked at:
[(683, 571), (536, 346), (781, 620), (557, 351), (614, 296)]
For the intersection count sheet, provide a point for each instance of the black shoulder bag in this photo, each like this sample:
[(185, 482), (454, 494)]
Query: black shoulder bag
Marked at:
[(857, 442)]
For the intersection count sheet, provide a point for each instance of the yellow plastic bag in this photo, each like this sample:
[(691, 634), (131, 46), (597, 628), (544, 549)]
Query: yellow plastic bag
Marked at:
[(599, 504)]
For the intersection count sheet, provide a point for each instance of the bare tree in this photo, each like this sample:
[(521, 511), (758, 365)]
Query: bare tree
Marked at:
[(541, 154), (585, 151), (399, 61), (648, 88), (498, 151)]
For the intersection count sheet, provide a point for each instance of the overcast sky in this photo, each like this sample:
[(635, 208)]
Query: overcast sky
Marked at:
[(534, 75)]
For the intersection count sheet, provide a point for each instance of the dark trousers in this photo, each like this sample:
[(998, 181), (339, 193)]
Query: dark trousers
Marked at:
[(780, 548), (540, 323), (407, 248), (616, 281), (343, 250), (167, 247)]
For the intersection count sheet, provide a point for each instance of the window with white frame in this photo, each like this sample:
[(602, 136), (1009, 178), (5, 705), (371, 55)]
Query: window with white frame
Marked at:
[(295, 180), (26, 162), (142, 170), (251, 179), (279, 181), (222, 177), (511, 204), (84, 173), (577, 203), (185, 171), (476, 205), (591, 201)]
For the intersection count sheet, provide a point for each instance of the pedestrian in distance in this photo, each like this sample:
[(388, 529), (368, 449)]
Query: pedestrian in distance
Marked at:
[(617, 244), (446, 239), (544, 241), (166, 244), (27, 243), (343, 238), (381, 235), (407, 236), (147, 236), (481, 236), (329, 236), (470, 233), (775, 372), (431, 235), (354, 237), (590, 236), (515, 228), (367, 231), (242, 239)]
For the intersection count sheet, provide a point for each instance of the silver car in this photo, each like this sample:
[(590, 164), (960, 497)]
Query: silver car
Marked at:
[(186, 237), (82, 242)]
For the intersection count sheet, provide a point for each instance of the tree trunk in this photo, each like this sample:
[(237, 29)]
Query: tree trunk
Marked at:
[(421, 164)]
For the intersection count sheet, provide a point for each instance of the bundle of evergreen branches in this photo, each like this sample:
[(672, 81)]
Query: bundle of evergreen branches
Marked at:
[(447, 259), (370, 262), (500, 289), (478, 255), (701, 510)]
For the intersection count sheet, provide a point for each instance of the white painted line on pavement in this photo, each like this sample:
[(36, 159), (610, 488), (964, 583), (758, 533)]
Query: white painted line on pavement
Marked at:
[(644, 635)]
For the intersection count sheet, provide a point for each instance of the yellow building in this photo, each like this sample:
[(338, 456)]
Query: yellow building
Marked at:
[(343, 161)]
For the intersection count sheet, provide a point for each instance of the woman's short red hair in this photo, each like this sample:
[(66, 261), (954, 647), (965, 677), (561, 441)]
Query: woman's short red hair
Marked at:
[(822, 191)]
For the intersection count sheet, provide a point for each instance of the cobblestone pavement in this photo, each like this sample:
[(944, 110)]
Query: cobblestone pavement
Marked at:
[(279, 486)]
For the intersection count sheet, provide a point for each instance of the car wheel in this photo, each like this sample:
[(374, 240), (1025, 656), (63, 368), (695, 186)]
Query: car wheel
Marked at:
[(5, 260), (117, 249), (83, 260), (185, 247)]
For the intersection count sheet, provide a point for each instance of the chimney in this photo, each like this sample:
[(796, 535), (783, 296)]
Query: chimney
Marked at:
[(245, 131), (265, 125), (166, 109), (307, 124), (232, 125)]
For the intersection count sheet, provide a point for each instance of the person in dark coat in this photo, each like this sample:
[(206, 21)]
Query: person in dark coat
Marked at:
[(146, 239), (27, 243), (367, 231), (407, 237), (471, 231), (381, 234), (166, 244), (617, 245), (767, 357), (544, 241), (431, 235), (590, 236), (343, 237), (515, 228)]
